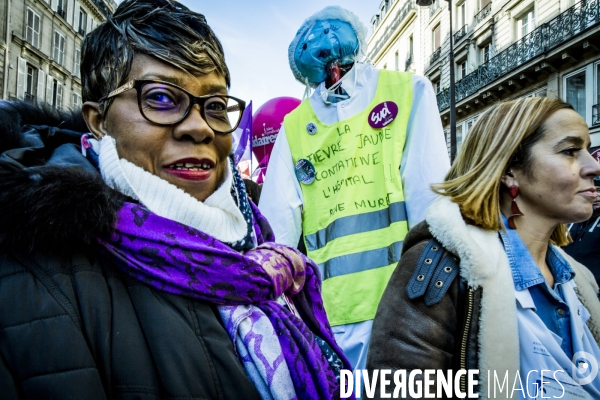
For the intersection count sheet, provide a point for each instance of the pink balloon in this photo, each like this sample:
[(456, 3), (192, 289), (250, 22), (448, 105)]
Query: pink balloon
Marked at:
[(266, 123)]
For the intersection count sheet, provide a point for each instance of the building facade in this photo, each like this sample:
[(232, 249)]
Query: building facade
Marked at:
[(41, 48), (503, 49)]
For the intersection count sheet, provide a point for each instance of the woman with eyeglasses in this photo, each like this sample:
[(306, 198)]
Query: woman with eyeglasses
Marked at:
[(132, 264), (483, 295)]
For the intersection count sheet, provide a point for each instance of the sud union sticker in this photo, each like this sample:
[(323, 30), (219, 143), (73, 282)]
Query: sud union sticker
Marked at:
[(383, 114)]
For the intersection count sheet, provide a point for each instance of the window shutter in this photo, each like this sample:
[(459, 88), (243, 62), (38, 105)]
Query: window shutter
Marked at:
[(36, 30), (70, 12), (62, 49), (21, 71), (76, 22), (41, 85), (49, 89), (29, 27), (55, 45), (76, 61), (59, 95), (53, 4)]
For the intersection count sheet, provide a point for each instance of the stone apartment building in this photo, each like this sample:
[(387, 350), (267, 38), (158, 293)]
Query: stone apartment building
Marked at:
[(503, 49), (40, 43)]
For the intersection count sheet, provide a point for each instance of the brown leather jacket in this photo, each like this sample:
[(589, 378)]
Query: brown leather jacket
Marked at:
[(409, 334)]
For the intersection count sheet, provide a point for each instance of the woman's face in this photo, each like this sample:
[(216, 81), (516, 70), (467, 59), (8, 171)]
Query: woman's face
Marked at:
[(559, 187), (158, 149)]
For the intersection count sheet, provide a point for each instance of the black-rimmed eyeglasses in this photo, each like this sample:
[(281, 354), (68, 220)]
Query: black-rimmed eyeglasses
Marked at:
[(164, 103)]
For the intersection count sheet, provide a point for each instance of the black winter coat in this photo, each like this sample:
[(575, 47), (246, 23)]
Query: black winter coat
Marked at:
[(72, 326), (586, 243)]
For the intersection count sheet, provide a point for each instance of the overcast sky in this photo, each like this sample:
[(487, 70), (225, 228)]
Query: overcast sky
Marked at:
[(256, 35)]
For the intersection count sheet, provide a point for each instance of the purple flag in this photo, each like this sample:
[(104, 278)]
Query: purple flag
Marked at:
[(242, 137)]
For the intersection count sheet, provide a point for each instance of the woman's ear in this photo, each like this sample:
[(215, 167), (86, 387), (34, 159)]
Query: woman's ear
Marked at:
[(94, 119), (508, 179)]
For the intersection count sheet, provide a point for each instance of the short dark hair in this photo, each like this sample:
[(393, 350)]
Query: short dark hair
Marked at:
[(164, 29)]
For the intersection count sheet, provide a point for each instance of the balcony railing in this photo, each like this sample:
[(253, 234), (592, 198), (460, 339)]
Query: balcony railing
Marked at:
[(391, 28), (102, 7), (485, 11), (409, 62), (435, 56), (81, 31), (461, 33), (61, 12), (596, 114), (565, 26), (434, 7), (29, 97)]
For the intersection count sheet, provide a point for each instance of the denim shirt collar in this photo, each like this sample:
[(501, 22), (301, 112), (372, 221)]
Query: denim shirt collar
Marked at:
[(524, 270)]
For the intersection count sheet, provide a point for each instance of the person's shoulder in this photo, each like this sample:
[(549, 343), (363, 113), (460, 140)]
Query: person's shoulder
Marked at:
[(54, 209), (421, 84)]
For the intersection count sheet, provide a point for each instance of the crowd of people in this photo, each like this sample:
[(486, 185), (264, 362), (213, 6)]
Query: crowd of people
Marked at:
[(135, 262)]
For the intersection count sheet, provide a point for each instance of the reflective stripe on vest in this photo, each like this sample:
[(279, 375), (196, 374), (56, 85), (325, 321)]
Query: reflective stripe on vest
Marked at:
[(354, 217)]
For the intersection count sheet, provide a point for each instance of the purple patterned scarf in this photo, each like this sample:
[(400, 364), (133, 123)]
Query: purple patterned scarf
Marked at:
[(178, 259)]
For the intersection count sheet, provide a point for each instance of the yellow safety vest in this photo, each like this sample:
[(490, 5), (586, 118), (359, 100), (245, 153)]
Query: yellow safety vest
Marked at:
[(354, 217)]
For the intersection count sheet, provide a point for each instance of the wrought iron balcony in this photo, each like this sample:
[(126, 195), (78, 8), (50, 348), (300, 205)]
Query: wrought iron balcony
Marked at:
[(485, 11), (434, 7), (29, 97), (565, 26), (435, 56), (102, 7), (461, 33), (596, 114), (409, 62), (81, 31), (393, 25), (61, 12)]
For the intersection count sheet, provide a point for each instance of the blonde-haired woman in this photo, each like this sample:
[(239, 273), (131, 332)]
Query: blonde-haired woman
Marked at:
[(482, 283)]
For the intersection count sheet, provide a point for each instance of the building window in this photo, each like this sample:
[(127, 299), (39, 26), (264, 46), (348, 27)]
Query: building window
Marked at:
[(385, 66), (462, 70), (436, 86), (57, 94), (410, 46), (82, 22), (383, 8), (436, 38), (486, 53), (525, 24), (59, 47), (396, 66), (484, 3), (462, 130), (29, 84), (461, 15), (76, 100), (61, 8), (76, 62), (581, 89), (575, 91), (32, 33), (375, 21)]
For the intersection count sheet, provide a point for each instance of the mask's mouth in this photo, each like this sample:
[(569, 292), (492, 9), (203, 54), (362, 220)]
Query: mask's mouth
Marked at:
[(324, 53)]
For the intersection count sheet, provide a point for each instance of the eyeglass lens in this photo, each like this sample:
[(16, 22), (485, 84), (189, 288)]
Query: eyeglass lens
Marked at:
[(165, 104)]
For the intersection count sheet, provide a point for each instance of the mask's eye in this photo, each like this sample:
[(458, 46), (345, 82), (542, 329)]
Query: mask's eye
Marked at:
[(326, 31), (304, 46)]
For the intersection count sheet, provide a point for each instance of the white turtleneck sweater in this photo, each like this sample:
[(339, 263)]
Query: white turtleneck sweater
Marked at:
[(217, 216)]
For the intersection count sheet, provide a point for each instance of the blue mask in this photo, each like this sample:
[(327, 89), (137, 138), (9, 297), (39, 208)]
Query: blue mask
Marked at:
[(326, 41)]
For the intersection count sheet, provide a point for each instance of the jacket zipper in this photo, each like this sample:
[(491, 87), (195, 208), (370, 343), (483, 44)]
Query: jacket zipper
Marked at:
[(465, 335)]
